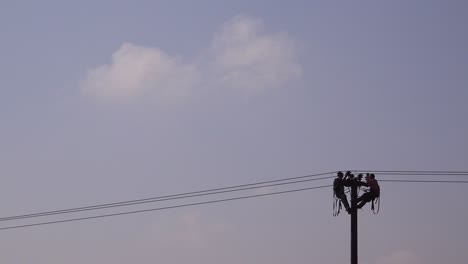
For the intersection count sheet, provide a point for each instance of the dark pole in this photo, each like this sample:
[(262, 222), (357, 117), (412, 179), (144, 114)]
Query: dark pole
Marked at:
[(354, 224)]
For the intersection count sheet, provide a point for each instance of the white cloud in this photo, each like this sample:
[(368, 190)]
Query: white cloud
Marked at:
[(252, 60), (136, 71), (241, 56), (401, 257)]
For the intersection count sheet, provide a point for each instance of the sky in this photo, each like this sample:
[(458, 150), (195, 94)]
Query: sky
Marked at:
[(105, 101)]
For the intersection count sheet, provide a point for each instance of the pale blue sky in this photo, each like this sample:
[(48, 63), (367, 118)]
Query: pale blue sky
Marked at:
[(338, 85)]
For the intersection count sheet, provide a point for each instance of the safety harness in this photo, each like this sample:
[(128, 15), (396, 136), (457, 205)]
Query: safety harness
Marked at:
[(377, 202), (336, 205)]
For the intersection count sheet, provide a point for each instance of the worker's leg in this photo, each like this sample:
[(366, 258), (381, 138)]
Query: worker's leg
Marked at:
[(365, 198), (344, 200)]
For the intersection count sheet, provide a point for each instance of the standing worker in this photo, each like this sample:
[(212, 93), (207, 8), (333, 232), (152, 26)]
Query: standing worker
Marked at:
[(338, 188)]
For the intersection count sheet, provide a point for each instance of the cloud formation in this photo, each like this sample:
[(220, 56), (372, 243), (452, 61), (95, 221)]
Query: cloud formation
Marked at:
[(136, 71), (242, 55), (248, 58)]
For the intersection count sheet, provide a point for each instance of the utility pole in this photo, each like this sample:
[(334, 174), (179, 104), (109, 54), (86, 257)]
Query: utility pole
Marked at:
[(354, 183), (354, 222)]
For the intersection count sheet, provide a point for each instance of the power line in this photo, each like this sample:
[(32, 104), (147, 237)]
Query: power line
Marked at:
[(423, 181), (162, 208), (414, 172), (209, 192), (420, 174), (236, 188), (161, 198)]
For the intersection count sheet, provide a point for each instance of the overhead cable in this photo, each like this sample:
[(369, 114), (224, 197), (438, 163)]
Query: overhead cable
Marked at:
[(162, 208), (236, 188)]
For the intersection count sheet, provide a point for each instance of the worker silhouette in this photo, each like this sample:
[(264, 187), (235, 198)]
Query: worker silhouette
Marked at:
[(373, 193), (338, 188)]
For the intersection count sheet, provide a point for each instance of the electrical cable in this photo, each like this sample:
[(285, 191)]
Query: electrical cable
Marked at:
[(156, 199), (423, 181), (236, 188), (416, 172), (162, 208)]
